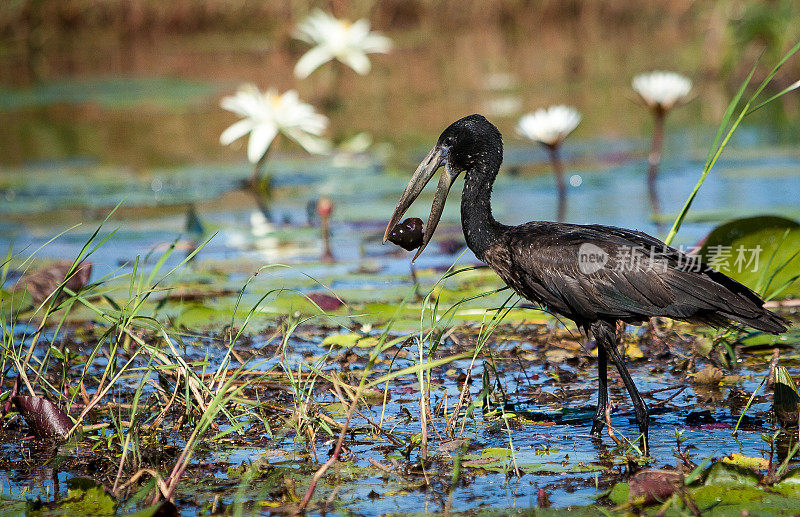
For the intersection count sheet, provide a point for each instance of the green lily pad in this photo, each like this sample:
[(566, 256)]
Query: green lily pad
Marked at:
[(712, 495), (760, 252), (746, 462), (619, 494), (729, 475), (790, 485), (84, 497), (494, 459), (350, 340), (499, 459)]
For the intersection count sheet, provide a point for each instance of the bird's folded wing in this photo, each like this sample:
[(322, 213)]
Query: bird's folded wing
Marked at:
[(641, 277)]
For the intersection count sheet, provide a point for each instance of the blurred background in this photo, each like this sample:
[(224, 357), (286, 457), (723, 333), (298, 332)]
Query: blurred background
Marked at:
[(104, 100)]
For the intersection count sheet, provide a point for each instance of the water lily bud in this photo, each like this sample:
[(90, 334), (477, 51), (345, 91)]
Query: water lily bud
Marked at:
[(324, 206)]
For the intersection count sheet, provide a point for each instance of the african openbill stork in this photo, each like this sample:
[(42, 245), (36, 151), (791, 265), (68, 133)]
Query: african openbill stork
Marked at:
[(594, 275)]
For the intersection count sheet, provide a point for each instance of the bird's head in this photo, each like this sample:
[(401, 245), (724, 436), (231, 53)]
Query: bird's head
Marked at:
[(470, 144)]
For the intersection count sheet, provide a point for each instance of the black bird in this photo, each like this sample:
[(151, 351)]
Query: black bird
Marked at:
[(594, 275)]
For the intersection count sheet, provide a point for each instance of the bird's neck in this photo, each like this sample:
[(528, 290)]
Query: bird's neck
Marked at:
[(480, 227)]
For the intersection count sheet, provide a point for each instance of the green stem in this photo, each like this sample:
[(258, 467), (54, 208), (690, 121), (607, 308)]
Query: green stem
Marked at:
[(716, 150)]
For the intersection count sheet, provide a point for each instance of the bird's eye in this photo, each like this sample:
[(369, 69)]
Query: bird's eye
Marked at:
[(449, 141)]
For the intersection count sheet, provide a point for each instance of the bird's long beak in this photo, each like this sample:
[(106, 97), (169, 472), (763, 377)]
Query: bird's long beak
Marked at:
[(425, 171)]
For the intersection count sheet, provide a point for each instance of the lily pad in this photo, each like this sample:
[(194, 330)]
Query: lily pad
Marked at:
[(85, 497), (760, 252), (710, 496), (619, 494), (350, 340), (748, 462), (790, 485), (728, 475)]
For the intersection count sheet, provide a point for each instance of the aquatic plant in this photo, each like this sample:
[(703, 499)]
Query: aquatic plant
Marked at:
[(731, 124), (340, 40), (267, 114), (660, 92), (550, 126)]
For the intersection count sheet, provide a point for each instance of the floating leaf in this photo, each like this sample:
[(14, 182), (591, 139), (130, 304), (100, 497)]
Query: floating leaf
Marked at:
[(392, 493), (710, 375), (619, 494), (651, 486), (760, 252), (350, 340), (633, 351), (731, 475), (492, 458), (558, 355), (41, 283), (748, 462), (497, 452), (326, 301), (45, 418), (724, 496), (790, 484), (86, 497), (198, 316)]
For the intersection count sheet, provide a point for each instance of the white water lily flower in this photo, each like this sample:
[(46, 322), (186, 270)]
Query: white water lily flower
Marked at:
[(337, 39), (662, 90), (265, 114), (549, 125)]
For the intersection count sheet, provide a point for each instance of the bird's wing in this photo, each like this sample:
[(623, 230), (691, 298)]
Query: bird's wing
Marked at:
[(688, 277), (632, 276)]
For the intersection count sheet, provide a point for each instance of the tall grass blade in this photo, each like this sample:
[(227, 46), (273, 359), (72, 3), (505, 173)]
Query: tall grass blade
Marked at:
[(719, 144)]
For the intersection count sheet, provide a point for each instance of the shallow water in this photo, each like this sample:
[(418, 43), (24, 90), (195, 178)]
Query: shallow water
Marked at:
[(42, 200), (137, 120), (555, 454)]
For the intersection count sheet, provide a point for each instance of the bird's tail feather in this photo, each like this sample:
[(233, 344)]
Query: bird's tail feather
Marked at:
[(767, 321)]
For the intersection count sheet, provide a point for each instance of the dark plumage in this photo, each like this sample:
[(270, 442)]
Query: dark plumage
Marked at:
[(594, 275), (539, 260)]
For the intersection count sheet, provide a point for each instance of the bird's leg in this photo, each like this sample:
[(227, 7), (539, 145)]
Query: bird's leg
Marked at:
[(602, 390), (606, 336), (639, 406)]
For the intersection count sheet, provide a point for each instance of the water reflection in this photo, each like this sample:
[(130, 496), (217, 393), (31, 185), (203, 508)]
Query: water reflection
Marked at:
[(749, 181)]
